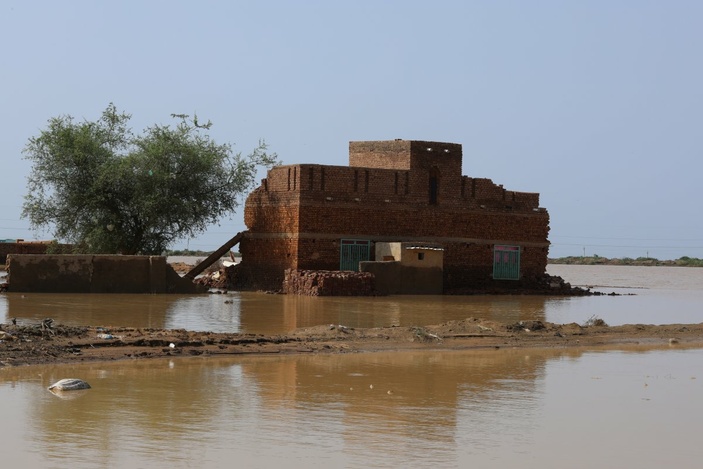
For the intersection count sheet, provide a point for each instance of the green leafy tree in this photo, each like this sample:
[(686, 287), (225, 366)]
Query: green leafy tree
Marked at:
[(106, 190)]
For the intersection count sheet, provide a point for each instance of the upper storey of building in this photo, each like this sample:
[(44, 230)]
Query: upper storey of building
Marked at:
[(411, 173), (412, 155)]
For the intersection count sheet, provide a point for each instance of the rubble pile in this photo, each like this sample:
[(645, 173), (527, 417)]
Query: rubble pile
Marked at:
[(223, 278), (328, 283)]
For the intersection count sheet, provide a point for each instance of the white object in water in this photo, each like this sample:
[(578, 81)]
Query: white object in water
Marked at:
[(69, 384)]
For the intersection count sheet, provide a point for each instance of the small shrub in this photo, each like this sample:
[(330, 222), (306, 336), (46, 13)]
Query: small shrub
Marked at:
[(595, 321)]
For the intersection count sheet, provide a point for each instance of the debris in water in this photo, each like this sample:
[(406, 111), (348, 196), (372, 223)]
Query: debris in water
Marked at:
[(69, 384)]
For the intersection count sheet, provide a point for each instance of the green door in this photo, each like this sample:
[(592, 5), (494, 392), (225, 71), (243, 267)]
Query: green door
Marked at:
[(506, 263), (352, 252)]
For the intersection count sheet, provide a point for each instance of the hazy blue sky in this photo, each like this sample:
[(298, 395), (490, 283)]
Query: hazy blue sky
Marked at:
[(596, 105)]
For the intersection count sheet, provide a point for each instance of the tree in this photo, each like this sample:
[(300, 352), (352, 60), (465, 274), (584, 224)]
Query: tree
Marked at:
[(107, 190)]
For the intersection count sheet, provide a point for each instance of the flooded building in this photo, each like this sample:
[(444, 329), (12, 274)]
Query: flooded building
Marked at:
[(323, 217)]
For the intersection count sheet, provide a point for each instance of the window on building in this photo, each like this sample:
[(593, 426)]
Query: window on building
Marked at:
[(420, 256), (506, 262), (434, 186)]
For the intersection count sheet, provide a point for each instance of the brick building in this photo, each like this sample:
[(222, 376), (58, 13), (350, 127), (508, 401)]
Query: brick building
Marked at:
[(320, 217), (20, 246)]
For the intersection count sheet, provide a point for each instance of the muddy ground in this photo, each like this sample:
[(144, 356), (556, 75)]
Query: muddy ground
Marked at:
[(55, 343)]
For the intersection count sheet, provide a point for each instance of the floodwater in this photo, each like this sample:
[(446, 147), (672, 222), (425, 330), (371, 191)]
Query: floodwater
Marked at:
[(557, 408), (648, 295), (488, 409)]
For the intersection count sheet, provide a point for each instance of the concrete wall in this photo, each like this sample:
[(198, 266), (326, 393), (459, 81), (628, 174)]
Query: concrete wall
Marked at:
[(63, 273)]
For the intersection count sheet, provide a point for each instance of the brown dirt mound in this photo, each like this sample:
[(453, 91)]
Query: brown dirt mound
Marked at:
[(47, 342)]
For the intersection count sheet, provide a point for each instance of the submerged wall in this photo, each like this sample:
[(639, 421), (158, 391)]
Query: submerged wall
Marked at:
[(64, 273)]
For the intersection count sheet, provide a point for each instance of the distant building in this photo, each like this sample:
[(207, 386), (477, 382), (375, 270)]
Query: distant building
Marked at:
[(20, 246), (320, 217)]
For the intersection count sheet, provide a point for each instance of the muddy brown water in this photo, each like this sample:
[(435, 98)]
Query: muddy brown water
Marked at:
[(489, 409), (651, 295), (611, 408)]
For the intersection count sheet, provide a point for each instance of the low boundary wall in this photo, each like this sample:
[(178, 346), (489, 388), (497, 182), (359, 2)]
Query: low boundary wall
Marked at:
[(393, 278), (67, 273)]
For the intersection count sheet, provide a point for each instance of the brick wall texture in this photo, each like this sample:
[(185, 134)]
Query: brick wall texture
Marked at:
[(29, 247), (392, 191), (327, 283)]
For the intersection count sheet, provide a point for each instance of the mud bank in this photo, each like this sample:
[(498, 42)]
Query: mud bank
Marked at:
[(51, 343)]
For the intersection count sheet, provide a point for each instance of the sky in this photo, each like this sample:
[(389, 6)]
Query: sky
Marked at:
[(595, 105)]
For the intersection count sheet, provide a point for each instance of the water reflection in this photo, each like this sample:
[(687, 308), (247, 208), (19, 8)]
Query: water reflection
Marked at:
[(275, 314), (262, 313), (398, 405), (494, 408), (403, 405), (408, 310)]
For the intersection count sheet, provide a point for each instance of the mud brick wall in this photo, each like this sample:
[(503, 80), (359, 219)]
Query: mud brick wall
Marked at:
[(385, 154), (272, 211), (363, 185), (471, 264), (326, 283), (481, 191), (65, 273), (322, 226), (264, 260), (300, 213), (27, 247), (318, 184), (421, 158), (390, 220), (406, 154)]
